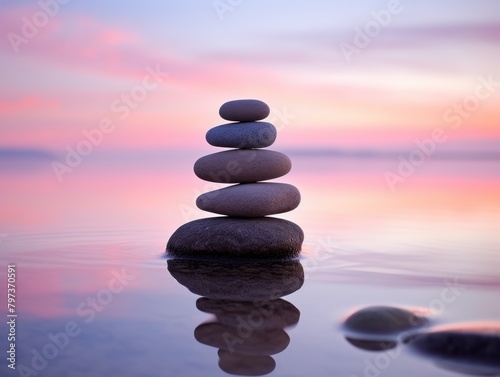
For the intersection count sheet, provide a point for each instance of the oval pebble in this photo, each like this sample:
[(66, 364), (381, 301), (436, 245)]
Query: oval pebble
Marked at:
[(242, 166), (232, 237), (383, 320), (242, 135), (244, 110), (250, 199), (467, 347)]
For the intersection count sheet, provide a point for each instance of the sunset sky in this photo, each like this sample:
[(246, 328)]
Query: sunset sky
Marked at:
[(335, 74)]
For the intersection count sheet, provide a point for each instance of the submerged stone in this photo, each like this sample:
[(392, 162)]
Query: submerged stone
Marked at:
[(465, 348), (379, 320)]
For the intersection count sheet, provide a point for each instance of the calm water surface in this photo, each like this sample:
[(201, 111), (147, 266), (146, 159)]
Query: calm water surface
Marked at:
[(97, 297)]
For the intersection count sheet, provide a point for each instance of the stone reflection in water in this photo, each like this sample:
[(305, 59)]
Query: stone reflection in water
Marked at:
[(245, 365), (250, 316), (372, 345), (252, 281)]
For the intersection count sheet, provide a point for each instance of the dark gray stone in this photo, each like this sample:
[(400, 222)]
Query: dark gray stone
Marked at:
[(242, 166), (462, 347), (242, 135), (229, 237), (251, 199), (251, 281), (381, 320), (244, 110)]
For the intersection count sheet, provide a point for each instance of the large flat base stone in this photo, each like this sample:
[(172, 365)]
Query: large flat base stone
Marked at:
[(232, 237)]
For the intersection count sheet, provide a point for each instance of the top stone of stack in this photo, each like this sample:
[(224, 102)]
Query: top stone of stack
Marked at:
[(244, 110)]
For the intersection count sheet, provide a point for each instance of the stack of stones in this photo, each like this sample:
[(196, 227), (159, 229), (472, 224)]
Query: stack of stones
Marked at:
[(245, 231)]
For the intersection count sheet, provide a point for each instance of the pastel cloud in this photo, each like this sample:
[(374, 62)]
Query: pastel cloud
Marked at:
[(400, 85), (411, 35), (25, 104), (89, 46)]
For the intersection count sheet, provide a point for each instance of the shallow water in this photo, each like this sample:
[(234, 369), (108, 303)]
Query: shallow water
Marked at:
[(90, 263)]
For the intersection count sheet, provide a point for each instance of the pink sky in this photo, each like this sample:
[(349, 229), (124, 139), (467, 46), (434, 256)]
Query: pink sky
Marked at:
[(74, 71)]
